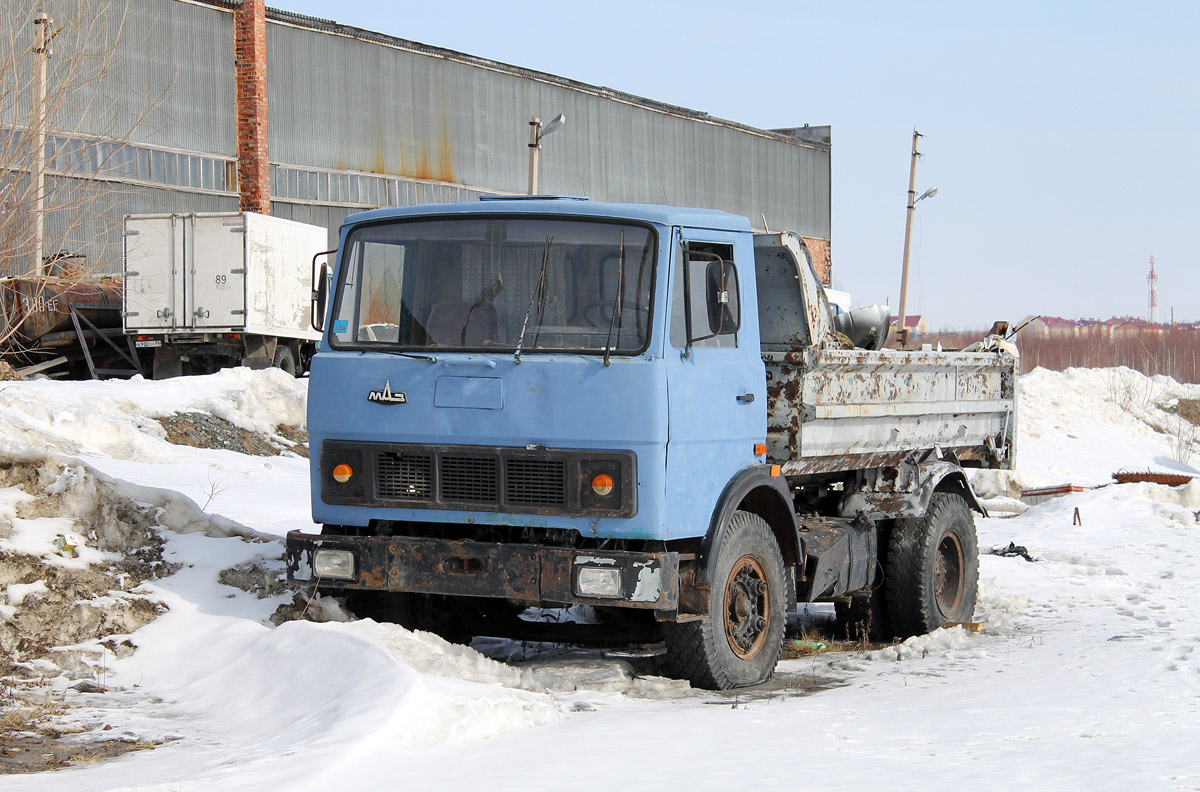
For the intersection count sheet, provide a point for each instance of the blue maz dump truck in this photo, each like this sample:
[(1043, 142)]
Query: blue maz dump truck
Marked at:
[(647, 410)]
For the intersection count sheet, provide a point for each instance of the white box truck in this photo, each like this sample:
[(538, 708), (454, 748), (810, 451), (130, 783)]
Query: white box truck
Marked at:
[(207, 290)]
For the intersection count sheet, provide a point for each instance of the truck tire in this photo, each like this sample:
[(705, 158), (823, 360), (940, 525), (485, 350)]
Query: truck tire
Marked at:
[(284, 359), (932, 574), (738, 643)]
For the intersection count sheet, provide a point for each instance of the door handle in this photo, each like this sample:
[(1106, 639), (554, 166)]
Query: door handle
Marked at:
[(746, 398)]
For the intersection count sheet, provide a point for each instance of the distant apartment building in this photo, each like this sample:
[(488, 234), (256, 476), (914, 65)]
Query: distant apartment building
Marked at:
[(916, 324), (1058, 327)]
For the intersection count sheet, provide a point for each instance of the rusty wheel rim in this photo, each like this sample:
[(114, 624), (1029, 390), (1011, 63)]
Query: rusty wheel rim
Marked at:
[(948, 574), (747, 607)]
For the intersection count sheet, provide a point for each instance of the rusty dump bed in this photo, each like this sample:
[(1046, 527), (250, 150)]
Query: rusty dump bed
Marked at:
[(844, 409), (831, 408)]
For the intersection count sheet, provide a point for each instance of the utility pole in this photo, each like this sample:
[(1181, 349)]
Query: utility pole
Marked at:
[(42, 35), (1152, 287), (913, 199), (912, 202)]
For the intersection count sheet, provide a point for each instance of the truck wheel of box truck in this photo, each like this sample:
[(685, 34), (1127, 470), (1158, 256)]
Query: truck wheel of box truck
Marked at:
[(284, 359), (739, 642), (932, 572)]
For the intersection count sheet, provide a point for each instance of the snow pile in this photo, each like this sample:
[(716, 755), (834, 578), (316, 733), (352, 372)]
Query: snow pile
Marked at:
[(113, 418), (1080, 426)]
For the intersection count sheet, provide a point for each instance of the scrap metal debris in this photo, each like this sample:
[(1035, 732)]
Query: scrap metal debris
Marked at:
[(1134, 476), (1013, 549)]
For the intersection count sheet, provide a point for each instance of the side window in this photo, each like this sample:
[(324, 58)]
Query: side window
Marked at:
[(705, 296)]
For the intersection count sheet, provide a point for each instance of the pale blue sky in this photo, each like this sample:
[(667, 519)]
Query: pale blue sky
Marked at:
[(1061, 135)]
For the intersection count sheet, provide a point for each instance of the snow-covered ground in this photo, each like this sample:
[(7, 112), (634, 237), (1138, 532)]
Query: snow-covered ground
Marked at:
[(1086, 674)]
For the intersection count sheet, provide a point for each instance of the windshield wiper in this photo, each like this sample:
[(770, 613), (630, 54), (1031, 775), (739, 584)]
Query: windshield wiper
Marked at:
[(539, 297), (398, 353), (617, 306)]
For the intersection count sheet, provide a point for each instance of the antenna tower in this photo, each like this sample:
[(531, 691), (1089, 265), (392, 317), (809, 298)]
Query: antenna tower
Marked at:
[(1152, 284)]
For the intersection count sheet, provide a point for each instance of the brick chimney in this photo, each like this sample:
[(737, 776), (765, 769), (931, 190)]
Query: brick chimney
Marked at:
[(250, 70)]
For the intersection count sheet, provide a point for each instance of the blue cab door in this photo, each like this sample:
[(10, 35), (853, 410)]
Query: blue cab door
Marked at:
[(716, 389)]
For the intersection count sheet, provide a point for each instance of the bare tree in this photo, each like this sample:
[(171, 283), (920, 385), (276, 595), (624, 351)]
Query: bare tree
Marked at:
[(65, 126)]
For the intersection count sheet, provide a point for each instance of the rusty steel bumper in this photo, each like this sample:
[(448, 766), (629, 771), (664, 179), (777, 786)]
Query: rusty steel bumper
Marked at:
[(527, 573)]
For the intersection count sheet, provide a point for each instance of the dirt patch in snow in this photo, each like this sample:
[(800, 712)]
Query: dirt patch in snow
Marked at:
[(266, 579), (1189, 410), (260, 579), (68, 612), (294, 439), (312, 607), (37, 752), (202, 430)]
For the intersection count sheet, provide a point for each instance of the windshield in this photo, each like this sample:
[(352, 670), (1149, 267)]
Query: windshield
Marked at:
[(496, 284)]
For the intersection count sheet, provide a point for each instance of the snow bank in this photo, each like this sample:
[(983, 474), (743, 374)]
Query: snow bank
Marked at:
[(113, 418), (1080, 426)]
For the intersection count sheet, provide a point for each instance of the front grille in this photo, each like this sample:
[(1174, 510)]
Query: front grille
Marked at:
[(404, 476), (535, 482), (470, 479), (521, 480)]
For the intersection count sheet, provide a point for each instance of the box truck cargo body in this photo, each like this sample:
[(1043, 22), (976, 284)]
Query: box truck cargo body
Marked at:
[(212, 290)]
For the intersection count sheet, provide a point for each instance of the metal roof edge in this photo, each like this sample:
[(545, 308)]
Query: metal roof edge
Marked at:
[(330, 26)]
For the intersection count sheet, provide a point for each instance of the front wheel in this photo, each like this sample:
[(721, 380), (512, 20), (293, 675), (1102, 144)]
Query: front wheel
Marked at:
[(933, 567), (738, 643)]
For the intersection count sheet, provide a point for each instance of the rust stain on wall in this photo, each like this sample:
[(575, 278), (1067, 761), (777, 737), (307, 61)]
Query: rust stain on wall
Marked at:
[(445, 171)]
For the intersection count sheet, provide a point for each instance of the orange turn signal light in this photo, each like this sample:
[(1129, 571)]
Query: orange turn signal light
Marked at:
[(342, 473), (602, 484), (760, 448)]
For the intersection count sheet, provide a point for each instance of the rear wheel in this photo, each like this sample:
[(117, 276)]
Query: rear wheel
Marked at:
[(738, 643), (933, 567)]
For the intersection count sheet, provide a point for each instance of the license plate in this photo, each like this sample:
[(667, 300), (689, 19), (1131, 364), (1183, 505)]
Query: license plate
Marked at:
[(147, 344)]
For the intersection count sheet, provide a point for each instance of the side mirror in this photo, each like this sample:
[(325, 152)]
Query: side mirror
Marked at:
[(320, 291), (724, 313), (711, 297)]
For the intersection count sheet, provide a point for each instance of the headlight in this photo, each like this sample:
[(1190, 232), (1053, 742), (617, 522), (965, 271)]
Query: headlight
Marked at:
[(598, 582), (334, 564)]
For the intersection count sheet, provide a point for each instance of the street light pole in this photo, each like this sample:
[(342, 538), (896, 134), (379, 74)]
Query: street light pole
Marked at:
[(912, 203), (41, 50), (535, 146), (536, 133)]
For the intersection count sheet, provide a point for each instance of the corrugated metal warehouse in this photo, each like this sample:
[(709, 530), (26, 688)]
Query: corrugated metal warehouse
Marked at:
[(205, 106)]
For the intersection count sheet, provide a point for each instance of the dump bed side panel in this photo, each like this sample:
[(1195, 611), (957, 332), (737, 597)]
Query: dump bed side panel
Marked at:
[(837, 409)]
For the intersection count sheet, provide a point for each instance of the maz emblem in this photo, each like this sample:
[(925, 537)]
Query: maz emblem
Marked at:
[(386, 396)]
